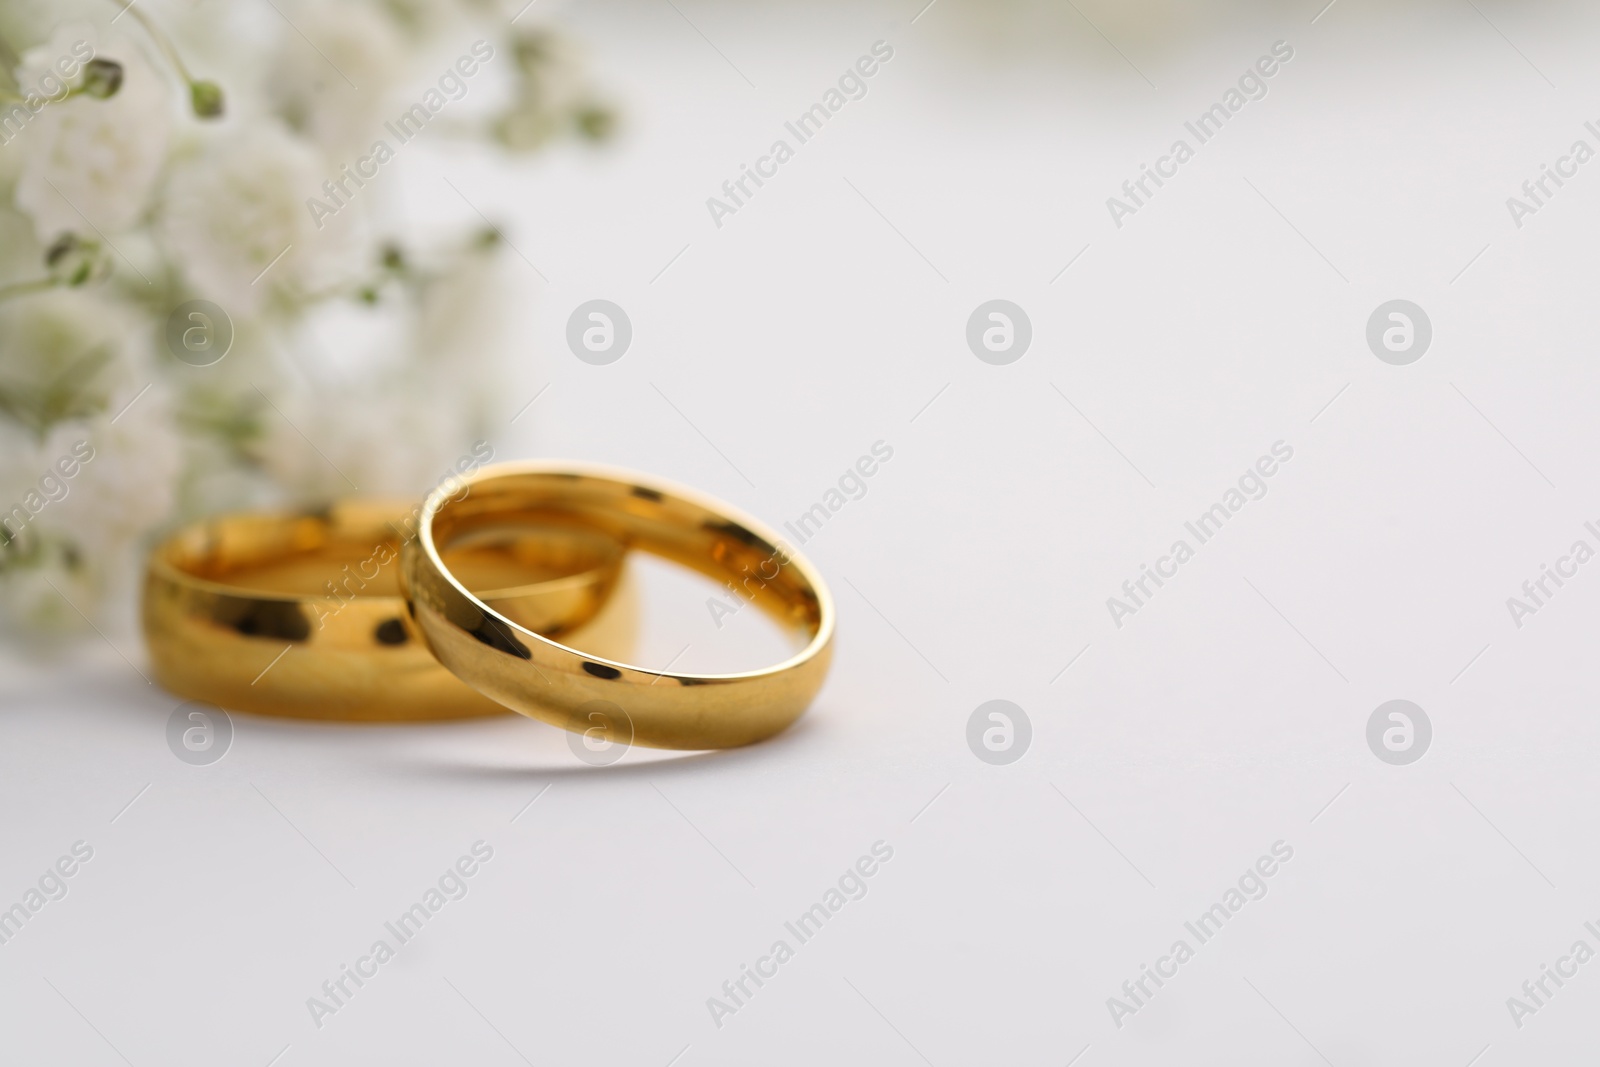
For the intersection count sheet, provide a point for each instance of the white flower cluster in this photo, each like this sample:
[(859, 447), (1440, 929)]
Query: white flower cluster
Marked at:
[(160, 157)]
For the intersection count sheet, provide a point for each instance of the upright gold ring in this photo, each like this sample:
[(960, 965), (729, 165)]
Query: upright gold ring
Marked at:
[(608, 700), (300, 614)]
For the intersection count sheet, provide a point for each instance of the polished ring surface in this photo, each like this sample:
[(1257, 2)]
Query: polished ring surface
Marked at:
[(604, 699), (300, 614)]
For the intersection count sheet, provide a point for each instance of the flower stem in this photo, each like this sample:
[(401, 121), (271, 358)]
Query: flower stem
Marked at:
[(38, 285), (205, 97), (162, 42)]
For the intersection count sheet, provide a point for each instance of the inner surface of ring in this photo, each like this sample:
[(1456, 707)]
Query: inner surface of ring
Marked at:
[(641, 517), (301, 556)]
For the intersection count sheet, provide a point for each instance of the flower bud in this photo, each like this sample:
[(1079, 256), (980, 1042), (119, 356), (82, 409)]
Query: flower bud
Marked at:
[(101, 78), (534, 50), (72, 261), (595, 122), (206, 99)]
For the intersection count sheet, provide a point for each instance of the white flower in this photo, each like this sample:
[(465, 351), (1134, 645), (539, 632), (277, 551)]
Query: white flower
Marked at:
[(79, 495), (93, 528), (129, 486), (380, 396), (336, 93), (34, 600), (550, 88), (231, 212), (66, 352), (98, 157)]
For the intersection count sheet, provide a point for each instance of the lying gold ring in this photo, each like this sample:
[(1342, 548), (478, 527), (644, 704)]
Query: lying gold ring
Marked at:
[(607, 700), (300, 614)]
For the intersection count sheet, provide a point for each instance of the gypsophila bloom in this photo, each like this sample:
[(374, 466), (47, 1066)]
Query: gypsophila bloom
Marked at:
[(67, 351), (79, 392), (231, 212), (130, 485), (336, 96), (34, 599), (93, 520), (100, 157), (177, 161)]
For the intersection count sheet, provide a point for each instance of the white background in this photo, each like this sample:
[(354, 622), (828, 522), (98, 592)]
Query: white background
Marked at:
[(1226, 315)]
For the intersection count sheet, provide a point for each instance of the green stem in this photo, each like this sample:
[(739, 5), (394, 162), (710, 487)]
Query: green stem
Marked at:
[(68, 95), (39, 285), (161, 42), (206, 98)]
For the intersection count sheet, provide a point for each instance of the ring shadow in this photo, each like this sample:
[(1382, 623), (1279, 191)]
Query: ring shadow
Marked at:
[(493, 749)]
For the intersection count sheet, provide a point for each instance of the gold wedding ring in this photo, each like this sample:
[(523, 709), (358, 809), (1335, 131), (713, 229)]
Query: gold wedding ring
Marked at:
[(500, 656), (300, 614)]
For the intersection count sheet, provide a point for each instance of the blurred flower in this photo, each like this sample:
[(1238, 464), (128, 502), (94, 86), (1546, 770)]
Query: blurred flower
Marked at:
[(129, 486), (88, 532), (89, 389), (551, 96), (233, 210), (124, 200), (66, 350), (100, 157), (337, 93), (33, 598)]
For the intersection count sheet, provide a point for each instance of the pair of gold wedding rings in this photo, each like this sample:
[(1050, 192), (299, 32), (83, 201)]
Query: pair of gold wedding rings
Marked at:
[(381, 610)]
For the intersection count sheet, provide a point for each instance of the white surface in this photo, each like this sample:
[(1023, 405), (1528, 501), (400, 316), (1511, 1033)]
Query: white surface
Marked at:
[(1188, 741)]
